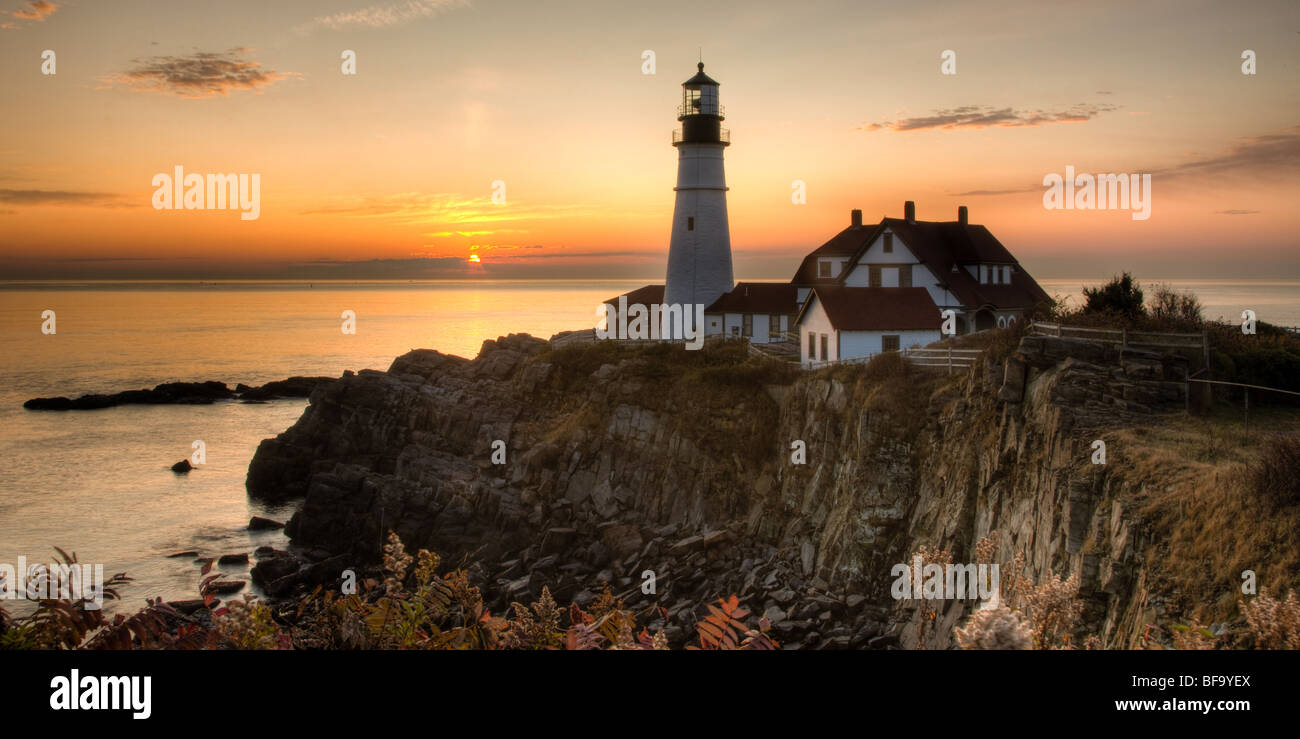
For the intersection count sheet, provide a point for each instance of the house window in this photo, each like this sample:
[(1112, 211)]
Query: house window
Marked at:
[(812, 345), (889, 243), (748, 322), (873, 272), (1006, 275), (905, 275), (825, 343), (690, 224), (824, 268), (773, 325), (889, 343)]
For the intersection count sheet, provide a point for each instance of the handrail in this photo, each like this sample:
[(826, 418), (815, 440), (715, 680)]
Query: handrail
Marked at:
[(1242, 384), (681, 111), (724, 136)]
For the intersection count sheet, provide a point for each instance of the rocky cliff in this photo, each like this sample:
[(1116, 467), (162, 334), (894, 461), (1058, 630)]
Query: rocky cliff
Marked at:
[(720, 473)]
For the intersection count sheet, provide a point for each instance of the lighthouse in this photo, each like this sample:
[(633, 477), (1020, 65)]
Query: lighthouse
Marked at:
[(699, 254)]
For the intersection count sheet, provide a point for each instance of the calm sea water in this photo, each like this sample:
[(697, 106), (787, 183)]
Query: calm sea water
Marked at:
[(98, 483)]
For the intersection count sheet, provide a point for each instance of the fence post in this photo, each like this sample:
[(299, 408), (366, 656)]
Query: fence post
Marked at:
[(1248, 412)]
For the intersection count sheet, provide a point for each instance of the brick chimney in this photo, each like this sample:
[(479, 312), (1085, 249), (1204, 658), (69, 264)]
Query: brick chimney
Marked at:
[(855, 217), (961, 214), (909, 211)]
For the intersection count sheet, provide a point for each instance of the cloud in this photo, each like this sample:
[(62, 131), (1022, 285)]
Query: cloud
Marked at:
[(199, 75), (985, 116), (1236, 212), (446, 209), (1255, 156), (36, 10), (470, 234), (383, 16), (1013, 191), (61, 197)]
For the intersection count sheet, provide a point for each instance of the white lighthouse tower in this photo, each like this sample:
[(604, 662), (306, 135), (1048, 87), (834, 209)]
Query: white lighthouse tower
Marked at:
[(699, 255)]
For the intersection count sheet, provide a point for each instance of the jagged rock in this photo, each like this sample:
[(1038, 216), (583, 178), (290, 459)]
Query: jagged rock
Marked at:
[(233, 559), (272, 569), (225, 587), (187, 606), (621, 539), (257, 523), (182, 467), (292, 387), (608, 471), (187, 393), (884, 641)]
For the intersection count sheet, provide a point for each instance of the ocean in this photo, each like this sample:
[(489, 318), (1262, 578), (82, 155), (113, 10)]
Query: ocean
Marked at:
[(98, 483)]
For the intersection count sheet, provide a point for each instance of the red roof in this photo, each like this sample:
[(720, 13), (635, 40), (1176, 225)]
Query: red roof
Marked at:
[(846, 243), (648, 295), (758, 297), (941, 244), (876, 308)]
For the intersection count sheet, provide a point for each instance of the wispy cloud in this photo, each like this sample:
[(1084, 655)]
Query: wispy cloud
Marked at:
[(470, 234), (199, 75), (445, 209), (1254, 156), (35, 10), (63, 197), (1012, 191), (985, 116), (383, 16)]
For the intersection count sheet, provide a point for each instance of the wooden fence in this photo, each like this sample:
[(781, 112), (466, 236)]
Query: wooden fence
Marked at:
[(1120, 336), (946, 358)]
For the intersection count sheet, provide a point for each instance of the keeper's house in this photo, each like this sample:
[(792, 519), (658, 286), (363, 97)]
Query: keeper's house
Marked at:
[(839, 322), (882, 287)]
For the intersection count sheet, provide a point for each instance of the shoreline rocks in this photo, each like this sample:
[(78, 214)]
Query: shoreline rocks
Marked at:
[(620, 462), (184, 393)]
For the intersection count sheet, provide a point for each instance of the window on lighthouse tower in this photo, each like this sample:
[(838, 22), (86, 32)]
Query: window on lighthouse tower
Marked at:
[(692, 101)]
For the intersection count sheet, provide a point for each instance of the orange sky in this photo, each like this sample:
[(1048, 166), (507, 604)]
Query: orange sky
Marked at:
[(389, 173)]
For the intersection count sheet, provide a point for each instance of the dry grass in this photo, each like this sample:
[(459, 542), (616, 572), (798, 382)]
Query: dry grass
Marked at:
[(1205, 516)]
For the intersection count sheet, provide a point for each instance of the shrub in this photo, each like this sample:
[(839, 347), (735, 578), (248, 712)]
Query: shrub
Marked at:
[(408, 609), (1275, 476), (1273, 623), (1174, 307), (995, 626), (1122, 296)]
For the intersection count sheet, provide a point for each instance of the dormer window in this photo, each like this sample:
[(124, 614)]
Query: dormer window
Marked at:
[(824, 268)]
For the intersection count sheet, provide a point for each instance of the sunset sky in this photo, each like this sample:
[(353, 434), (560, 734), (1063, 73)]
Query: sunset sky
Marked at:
[(389, 173)]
